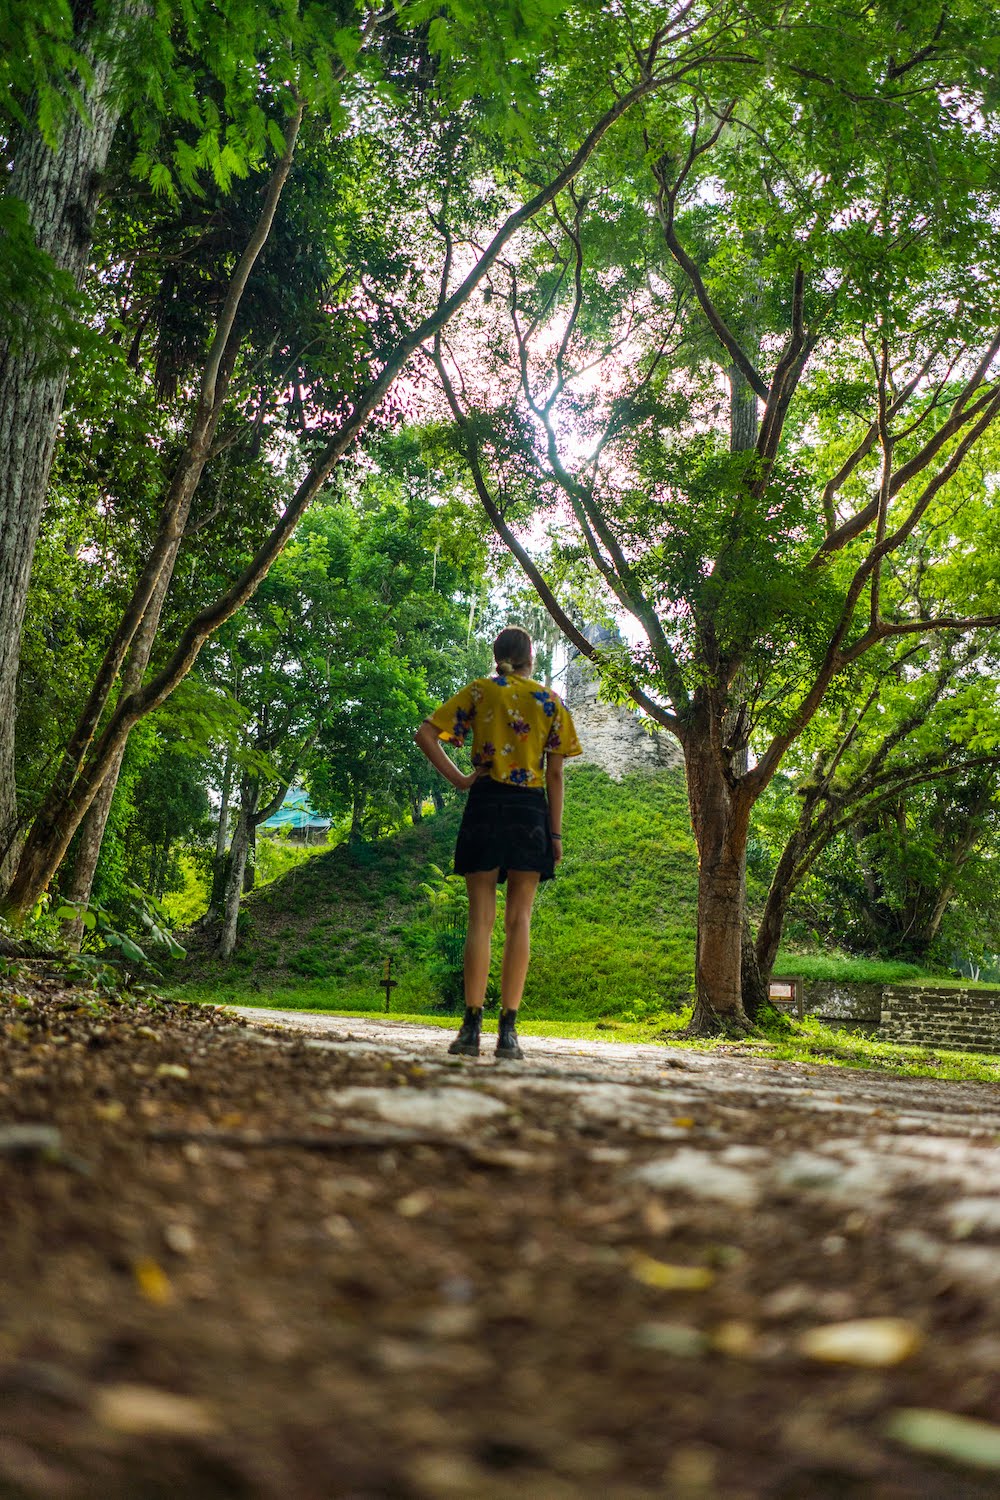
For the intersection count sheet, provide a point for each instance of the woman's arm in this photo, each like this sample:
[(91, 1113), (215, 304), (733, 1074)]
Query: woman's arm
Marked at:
[(429, 742), (554, 791)]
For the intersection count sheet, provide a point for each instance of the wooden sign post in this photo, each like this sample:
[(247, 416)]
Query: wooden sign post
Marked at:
[(388, 983), (788, 992)]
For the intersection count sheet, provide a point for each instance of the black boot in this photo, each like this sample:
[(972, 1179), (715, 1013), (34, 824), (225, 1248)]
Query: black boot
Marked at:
[(507, 1045), (466, 1044)]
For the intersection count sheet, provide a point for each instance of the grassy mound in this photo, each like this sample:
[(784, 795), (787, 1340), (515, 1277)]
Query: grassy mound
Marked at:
[(613, 934)]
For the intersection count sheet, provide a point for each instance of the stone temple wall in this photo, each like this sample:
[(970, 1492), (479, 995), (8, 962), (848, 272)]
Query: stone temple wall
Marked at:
[(614, 739), (612, 735)]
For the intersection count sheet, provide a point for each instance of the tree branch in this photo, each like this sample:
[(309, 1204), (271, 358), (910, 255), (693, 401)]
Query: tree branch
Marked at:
[(961, 414), (666, 203), (529, 567), (787, 375), (886, 444)]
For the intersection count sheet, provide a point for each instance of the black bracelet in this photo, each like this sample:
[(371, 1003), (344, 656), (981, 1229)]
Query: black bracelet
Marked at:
[(555, 835)]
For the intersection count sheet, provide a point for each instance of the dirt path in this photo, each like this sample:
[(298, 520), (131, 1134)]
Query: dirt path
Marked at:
[(314, 1257), (803, 1086)]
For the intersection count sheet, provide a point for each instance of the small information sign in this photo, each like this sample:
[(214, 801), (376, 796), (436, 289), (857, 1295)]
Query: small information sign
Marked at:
[(788, 993)]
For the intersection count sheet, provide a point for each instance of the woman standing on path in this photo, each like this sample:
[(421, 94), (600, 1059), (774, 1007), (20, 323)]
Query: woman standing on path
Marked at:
[(511, 828)]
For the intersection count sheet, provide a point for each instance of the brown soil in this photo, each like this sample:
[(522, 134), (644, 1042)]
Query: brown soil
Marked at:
[(219, 1284)]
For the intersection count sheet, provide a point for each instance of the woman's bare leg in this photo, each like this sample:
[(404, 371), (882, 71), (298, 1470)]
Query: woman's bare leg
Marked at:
[(482, 889), (521, 888)]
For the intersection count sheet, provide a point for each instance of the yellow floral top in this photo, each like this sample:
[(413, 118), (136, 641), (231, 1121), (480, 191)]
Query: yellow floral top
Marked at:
[(514, 722)]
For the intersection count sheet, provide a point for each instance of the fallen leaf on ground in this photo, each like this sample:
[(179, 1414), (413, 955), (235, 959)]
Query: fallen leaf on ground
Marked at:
[(153, 1282), (144, 1409), (675, 1339), (668, 1278), (965, 1439), (111, 1111), (414, 1204), (872, 1342), (738, 1340)]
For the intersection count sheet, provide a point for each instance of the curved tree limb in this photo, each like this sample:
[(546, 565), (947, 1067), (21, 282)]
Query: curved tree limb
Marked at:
[(528, 565)]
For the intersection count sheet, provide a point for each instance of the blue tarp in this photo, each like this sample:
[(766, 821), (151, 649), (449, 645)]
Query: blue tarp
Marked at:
[(295, 812)]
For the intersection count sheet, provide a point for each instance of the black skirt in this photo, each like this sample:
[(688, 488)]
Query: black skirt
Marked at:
[(504, 828)]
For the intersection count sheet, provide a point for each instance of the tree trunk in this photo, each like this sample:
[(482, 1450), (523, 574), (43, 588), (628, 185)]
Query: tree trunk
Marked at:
[(88, 852), (240, 867), (720, 818), (357, 817), (221, 835), (162, 868), (753, 980), (235, 872), (60, 188), (222, 832), (81, 773), (64, 806), (783, 883), (744, 423), (96, 819)]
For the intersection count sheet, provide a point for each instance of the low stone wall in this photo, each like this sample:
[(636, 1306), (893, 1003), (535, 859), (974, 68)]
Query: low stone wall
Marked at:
[(958, 1019), (859, 1005)]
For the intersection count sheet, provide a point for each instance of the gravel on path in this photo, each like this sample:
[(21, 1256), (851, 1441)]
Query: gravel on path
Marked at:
[(304, 1257)]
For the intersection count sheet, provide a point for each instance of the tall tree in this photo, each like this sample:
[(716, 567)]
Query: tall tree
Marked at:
[(472, 63), (53, 179), (413, 568), (914, 744), (70, 75), (357, 630), (816, 270)]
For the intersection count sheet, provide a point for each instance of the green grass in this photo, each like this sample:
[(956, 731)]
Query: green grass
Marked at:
[(277, 854), (613, 934), (811, 1041), (325, 995), (844, 969)]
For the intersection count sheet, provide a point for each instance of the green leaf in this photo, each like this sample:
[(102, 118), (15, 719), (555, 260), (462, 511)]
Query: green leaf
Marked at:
[(162, 182)]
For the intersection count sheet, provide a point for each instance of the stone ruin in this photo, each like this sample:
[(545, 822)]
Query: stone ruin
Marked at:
[(612, 735)]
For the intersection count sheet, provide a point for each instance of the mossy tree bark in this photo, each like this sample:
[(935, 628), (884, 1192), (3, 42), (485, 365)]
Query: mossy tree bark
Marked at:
[(60, 189)]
